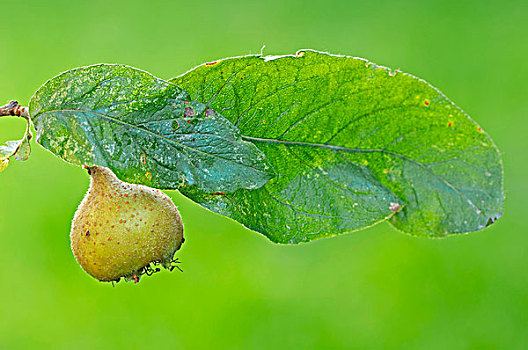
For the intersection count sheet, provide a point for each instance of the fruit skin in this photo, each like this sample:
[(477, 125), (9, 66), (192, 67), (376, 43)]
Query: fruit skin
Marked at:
[(120, 228)]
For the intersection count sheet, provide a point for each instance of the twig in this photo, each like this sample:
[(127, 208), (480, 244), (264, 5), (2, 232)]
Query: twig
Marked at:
[(14, 109)]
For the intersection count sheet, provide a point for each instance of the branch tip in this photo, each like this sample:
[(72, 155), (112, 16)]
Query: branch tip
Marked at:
[(14, 109)]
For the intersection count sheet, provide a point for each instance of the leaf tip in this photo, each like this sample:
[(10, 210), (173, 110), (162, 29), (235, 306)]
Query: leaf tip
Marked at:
[(494, 219)]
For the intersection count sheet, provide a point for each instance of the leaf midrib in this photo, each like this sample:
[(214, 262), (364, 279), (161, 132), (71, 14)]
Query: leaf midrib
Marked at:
[(359, 150), (147, 131)]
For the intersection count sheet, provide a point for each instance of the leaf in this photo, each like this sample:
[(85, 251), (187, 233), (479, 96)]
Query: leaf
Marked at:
[(145, 129), (352, 142), (20, 149)]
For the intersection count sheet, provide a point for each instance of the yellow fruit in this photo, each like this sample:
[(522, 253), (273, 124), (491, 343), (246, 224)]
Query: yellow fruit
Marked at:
[(119, 228)]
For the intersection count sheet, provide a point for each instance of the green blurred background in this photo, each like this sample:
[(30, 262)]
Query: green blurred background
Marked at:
[(370, 289)]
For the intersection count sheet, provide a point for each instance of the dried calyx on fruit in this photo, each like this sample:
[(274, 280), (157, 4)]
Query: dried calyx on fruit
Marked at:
[(124, 230)]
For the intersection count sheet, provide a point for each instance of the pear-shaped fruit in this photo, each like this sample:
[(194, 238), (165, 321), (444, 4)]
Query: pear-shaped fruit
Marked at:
[(119, 228)]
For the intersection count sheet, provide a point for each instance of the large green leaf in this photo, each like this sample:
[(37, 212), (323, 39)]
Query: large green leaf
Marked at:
[(352, 142), (145, 129)]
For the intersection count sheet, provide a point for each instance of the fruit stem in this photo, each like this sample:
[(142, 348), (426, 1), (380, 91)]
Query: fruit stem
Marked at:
[(14, 109)]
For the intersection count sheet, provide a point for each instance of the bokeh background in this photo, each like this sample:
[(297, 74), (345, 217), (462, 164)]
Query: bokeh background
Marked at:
[(370, 289)]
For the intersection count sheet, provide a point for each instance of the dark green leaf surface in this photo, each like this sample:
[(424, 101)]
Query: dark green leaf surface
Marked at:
[(352, 142), (145, 129)]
